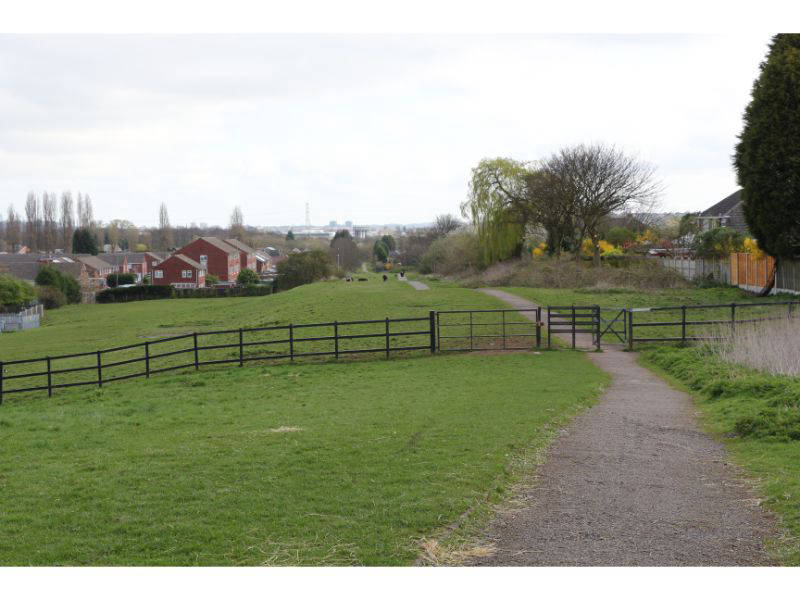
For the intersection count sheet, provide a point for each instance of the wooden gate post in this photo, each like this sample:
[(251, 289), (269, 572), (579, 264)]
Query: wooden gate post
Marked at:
[(630, 329), (1, 381), (573, 327), (596, 312), (538, 326), (432, 326), (241, 347)]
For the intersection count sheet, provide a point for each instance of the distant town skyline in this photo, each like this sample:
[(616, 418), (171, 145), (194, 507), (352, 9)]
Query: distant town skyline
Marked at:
[(368, 128)]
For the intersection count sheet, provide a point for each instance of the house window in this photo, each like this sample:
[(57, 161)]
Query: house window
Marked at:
[(158, 274), (186, 273), (204, 261)]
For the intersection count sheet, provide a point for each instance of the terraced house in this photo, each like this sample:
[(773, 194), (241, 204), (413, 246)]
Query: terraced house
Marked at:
[(214, 256), (179, 271)]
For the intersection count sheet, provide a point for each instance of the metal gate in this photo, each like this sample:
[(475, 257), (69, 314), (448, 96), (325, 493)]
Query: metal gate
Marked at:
[(593, 320), (574, 320), (498, 329)]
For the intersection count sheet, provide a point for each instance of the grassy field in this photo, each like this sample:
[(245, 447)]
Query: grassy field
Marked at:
[(325, 464), (87, 328), (757, 416)]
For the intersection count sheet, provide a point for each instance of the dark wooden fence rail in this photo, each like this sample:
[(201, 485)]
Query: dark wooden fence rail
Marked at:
[(290, 347)]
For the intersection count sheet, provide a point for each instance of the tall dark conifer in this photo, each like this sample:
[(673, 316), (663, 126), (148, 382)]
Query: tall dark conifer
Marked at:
[(767, 156)]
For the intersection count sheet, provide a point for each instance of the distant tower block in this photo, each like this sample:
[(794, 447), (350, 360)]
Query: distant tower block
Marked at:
[(308, 215)]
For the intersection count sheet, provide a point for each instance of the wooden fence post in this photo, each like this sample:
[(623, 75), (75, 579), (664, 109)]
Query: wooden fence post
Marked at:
[(683, 324), (503, 313), (241, 347), (432, 325), (733, 318), (573, 327), (147, 360), (99, 370), (1, 382), (387, 337), (538, 326), (336, 340), (49, 379), (291, 342), (196, 361), (630, 329), (596, 312)]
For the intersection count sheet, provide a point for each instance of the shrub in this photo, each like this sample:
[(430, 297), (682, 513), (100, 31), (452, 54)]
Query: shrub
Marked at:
[(116, 279), (456, 253), (619, 272), (248, 277), (718, 243), (210, 279), (15, 294), (50, 296), (50, 276), (302, 268), (137, 292)]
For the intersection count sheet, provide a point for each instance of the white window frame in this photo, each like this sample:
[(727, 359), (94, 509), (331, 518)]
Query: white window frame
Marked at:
[(186, 274), (158, 274)]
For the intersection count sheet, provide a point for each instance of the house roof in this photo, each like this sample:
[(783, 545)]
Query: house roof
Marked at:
[(115, 259), (93, 262), (724, 207), (185, 259), (240, 246), (27, 266), (225, 247)]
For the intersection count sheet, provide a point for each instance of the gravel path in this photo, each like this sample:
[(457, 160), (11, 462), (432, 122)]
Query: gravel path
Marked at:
[(418, 285), (632, 481)]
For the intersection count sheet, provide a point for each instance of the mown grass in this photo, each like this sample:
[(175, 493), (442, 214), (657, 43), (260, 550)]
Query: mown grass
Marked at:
[(324, 464), (757, 416), (87, 328)]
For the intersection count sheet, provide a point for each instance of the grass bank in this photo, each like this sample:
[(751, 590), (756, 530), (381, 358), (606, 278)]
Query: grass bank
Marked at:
[(758, 418), (323, 464)]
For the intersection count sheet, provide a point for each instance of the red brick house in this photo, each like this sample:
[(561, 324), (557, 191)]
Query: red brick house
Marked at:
[(214, 256), (151, 259), (247, 256), (180, 271), (96, 269)]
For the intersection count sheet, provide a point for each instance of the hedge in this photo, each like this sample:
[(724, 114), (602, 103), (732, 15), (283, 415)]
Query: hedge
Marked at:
[(160, 292)]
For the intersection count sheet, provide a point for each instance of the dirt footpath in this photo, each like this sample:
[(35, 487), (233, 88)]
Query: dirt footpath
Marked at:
[(632, 481)]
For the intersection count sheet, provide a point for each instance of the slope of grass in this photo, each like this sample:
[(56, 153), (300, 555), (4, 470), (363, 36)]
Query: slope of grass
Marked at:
[(88, 327), (349, 463), (758, 418)]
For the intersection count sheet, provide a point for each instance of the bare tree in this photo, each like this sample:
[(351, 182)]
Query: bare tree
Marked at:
[(88, 213), (13, 230), (32, 221), (49, 227), (164, 229), (67, 221), (599, 180), (237, 223), (445, 224)]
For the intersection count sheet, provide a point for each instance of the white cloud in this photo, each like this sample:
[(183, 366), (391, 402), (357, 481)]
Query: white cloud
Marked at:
[(367, 128)]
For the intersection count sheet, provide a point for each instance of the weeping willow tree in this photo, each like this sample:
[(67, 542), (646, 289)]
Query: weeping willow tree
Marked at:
[(497, 185)]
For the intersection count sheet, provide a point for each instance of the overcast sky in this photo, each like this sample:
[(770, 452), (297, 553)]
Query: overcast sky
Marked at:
[(373, 129)]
